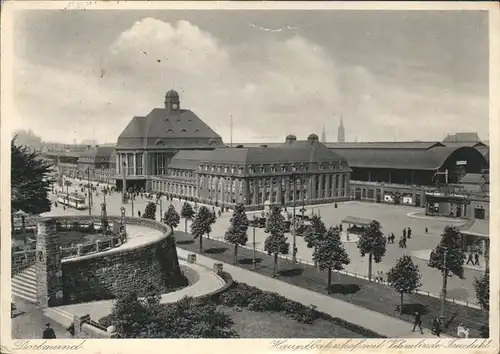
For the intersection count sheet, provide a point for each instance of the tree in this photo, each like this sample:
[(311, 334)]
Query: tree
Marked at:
[(171, 217), (372, 242), (448, 256), (276, 243), (213, 219), (187, 213), (236, 234), (30, 181), (150, 211), (404, 277), (201, 224), (482, 288), (329, 253), (315, 232)]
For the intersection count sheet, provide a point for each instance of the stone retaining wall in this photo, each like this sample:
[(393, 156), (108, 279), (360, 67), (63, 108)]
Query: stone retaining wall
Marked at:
[(104, 275), (22, 260), (110, 274)]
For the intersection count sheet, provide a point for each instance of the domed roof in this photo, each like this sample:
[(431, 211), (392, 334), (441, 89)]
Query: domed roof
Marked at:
[(312, 137), (172, 94), (291, 137)]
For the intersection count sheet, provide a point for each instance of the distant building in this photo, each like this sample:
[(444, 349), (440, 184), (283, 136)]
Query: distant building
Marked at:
[(341, 132), (98, 164), (462, 137), (147, 144), (323, 135)]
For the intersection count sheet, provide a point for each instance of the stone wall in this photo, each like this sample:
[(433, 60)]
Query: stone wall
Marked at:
[(109, 274), (22, 260)]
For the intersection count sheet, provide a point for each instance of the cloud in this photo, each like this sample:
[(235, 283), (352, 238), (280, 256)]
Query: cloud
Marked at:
[(280, 86)]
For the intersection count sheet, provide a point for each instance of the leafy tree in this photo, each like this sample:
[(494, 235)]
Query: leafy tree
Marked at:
[(482, 287), (404, 277), (276, 242), (150, 211), (171, 217), (30, 182), (449, 249), (236, 234), (201, 224), (187, 213), (372, 242), (329, 253), (213, 219), (315, 232)]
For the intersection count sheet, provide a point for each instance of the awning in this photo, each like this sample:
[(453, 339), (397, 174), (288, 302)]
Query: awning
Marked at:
[(356, 221)]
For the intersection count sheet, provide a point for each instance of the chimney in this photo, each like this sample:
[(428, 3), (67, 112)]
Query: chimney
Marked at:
[(290, 139)]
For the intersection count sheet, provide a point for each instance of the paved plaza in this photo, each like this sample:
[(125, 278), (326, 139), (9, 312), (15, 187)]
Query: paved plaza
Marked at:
[(392, 218)]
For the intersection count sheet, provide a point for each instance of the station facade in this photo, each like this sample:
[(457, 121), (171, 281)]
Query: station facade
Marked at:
[(296, 171)]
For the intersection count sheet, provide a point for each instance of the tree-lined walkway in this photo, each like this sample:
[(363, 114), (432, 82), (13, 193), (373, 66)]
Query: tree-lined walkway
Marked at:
[(374, 298)]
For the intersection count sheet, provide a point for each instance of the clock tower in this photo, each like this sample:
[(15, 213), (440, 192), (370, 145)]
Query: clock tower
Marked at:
[(172, 101)]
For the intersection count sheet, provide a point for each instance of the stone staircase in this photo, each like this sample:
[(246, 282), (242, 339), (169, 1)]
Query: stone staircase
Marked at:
[(24, 284)]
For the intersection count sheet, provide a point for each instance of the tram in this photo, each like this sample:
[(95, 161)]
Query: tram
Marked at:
[(73, 200)]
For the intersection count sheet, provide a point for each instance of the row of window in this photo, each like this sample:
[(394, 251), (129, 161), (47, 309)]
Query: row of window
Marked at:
[(270, 168)]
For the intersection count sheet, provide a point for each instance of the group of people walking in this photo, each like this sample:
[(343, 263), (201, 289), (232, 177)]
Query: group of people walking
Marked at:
[(402, 241)]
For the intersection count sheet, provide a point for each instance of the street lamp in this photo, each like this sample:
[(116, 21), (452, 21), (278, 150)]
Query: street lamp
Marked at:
[(124, 185), (131, 200), (445, 280), (294, 231), (159, 201), (254, 262)]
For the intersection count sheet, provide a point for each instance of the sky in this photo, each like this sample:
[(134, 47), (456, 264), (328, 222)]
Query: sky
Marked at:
[(391, 75)]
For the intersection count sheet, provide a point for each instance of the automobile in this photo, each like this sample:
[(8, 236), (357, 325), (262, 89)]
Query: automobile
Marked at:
[(302, 227)]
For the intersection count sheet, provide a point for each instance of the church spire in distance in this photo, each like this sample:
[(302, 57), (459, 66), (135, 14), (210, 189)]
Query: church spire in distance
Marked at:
[(323, 134), (341, 132)]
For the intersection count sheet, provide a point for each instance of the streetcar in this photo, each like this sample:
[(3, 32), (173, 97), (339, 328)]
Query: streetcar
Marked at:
[(73, 200)]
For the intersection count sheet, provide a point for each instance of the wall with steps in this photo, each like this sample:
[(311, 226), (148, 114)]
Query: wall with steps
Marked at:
[(24, 284)]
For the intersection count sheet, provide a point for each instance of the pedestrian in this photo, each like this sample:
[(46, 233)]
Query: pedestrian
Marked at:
[(476, 259), (417, 322), (139, 213), (48, 332), (426, 230), (409, 232), (436, 326), (469, 259), (404, 233)]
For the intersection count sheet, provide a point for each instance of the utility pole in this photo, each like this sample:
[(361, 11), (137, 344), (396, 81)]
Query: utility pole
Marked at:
[(90, 191), (294, 256), (132, 201), (124, 185), (254, 262), (231, 129), (445, 280)]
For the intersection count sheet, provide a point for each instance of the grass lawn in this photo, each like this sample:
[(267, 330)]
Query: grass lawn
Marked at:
[(361, 292), (250, 324)]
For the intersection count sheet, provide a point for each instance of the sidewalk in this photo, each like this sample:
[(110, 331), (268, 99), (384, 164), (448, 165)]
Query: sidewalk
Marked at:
[(377, 322), (425, 255), (207, 282)]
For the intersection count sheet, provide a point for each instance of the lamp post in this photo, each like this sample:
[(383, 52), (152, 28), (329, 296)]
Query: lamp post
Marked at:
[(254, 262), (89, 190), (445, 280), (131, 200), (159, 201), (294, 231), (124, 185)]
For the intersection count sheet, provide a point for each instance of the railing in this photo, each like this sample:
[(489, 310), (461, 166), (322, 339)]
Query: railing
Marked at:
[(360, 276)]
